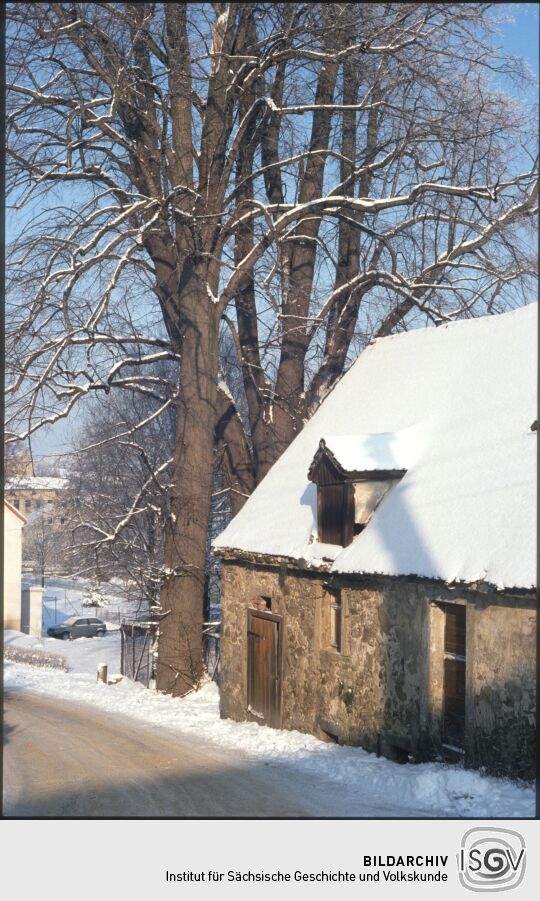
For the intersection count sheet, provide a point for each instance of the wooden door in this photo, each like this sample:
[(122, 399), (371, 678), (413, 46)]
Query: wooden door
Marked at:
[(264, 667), (454, 676)]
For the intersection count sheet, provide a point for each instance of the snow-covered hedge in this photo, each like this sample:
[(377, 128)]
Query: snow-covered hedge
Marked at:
[(35, 657)]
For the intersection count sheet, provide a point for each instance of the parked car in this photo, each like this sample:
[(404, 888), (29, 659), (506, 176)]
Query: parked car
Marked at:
[(78, 627)]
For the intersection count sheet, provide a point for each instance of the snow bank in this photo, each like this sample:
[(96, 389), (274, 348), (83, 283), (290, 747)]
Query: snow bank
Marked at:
[(437, 789), (35, 657), (465, 510), (20, 639), (24, 648), (79, 656)]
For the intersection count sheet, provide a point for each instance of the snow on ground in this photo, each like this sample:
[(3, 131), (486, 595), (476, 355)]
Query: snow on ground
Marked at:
[(441, 791), (12, 638), (64, 598), (82, 655)]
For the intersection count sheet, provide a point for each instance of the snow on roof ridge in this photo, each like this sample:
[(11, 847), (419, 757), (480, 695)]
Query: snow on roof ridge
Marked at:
[(364, 451), (37, 482), (443, 325)]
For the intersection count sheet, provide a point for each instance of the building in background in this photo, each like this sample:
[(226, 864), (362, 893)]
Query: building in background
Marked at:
[(44, 501), (29, 493)]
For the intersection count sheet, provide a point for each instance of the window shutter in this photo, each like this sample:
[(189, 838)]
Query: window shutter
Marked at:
[(336, 512), (347, 517)]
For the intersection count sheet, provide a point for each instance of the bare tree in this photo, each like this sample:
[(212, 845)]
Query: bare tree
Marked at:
[(119, 452), (309, 176), (46, 541)]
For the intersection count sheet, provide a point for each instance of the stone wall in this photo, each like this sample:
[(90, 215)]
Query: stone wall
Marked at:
[(384, 690), (503, 689)]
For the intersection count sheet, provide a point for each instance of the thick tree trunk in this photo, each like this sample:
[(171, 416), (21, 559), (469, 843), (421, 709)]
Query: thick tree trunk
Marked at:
[(180, 663), (234, 453)]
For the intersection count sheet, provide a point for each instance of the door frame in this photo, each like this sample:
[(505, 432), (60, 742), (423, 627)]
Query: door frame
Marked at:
[(449, 750), (275, 720)]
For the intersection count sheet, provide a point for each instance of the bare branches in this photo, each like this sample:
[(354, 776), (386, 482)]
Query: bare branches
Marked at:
[(312, 175)]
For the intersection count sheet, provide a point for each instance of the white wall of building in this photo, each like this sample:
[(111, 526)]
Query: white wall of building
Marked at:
[(13, 524), (32, 610)]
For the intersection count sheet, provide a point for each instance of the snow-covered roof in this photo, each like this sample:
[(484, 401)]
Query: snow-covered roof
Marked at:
[(461, 399), (383, 450), (36, 483)]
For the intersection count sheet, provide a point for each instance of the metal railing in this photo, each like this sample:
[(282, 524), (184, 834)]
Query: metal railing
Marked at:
[(139, 643), (137, 651)]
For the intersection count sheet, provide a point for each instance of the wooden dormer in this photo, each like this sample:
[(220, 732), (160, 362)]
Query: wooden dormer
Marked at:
[(346, 499)]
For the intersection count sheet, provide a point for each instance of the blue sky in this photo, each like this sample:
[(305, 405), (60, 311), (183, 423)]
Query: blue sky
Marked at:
[(520, 37)]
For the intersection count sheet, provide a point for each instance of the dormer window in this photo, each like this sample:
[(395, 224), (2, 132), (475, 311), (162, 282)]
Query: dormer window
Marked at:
[(347, 495)]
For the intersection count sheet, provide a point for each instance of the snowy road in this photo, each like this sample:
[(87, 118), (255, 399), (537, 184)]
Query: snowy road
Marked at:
[(64, 760)]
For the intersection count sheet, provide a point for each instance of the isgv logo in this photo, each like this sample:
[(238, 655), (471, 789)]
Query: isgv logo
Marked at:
[(491, 859)]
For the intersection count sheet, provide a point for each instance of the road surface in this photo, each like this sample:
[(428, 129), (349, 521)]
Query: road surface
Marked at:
[(62, 760)]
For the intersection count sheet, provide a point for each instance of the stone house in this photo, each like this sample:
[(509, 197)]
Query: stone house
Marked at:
[(378, 587)]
